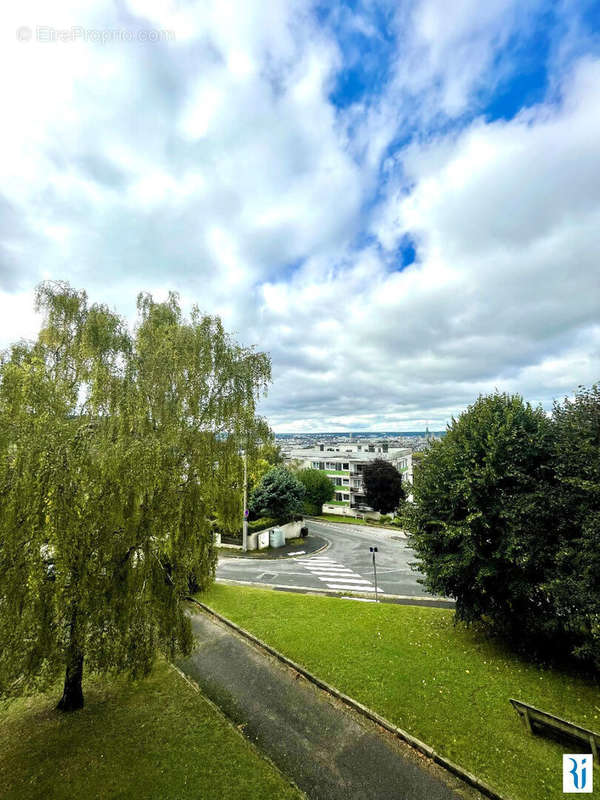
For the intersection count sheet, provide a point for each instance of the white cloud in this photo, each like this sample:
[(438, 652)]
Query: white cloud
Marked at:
[(506, 291), (217, 165)]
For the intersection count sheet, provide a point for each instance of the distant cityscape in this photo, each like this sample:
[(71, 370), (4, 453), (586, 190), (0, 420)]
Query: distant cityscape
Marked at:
[(416, 440)]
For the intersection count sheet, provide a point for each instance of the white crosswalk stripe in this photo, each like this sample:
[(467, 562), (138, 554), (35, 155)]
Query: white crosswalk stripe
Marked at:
[(321, 570), (335, 575)]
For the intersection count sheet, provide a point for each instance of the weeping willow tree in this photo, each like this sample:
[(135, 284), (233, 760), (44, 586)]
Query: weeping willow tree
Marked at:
[(115, 447)]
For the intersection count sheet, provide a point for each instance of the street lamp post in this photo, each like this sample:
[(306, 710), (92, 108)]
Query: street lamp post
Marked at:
[(245, 522), (374, 550)]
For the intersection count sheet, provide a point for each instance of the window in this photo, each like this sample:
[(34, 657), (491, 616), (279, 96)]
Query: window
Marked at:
[(346, 497), (338, 481), (338, 467), (339, 497), (321, 465), (346, 466), (345, 482)]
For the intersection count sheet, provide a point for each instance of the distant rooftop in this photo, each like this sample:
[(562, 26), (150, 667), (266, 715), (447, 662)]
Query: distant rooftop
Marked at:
[(350, 455)]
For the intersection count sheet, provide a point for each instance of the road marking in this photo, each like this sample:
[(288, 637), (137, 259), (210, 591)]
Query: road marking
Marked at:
[(299, 553), (332, 572), (324, 570), (336, 575)]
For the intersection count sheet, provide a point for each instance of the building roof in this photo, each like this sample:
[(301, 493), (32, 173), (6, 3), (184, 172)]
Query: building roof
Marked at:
[(361, 455)]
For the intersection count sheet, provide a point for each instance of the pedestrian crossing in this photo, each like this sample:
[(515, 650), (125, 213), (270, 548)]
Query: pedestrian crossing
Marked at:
[(335, 575)]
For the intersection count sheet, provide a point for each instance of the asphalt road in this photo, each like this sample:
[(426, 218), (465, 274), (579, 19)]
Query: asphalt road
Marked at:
[(346, 565)]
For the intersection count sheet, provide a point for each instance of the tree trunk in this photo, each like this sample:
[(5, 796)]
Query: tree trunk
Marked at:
[(72, 697)]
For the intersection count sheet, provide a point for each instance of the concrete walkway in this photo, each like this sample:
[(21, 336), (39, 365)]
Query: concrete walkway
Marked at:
[(330, 752)]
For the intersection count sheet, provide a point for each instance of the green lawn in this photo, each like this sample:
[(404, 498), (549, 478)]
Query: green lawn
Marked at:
[(447, 685), (353, 520), (156, 738)]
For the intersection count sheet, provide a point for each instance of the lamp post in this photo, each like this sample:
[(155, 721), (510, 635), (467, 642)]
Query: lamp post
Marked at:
[(374, 550), (245, 522)]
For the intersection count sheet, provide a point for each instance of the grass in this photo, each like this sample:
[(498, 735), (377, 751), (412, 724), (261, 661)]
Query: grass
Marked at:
[(448, 685), (155, 738), (373, 523), (230, 552)]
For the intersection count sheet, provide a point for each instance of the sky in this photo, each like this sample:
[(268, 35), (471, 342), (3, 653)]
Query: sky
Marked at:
[(398, 201)]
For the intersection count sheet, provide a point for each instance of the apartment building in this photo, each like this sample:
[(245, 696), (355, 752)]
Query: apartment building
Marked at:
[(344, 466)]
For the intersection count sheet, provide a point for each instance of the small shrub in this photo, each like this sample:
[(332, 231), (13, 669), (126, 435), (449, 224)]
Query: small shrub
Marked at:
[(261, 523)]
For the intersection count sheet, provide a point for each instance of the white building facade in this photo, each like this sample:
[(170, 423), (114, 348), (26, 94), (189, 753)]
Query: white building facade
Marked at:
[(343, 464)]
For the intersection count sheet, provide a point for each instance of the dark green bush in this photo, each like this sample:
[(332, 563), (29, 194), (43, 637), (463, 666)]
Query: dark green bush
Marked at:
[(279, 495), (261, 523), (481, 524), (506, 519)]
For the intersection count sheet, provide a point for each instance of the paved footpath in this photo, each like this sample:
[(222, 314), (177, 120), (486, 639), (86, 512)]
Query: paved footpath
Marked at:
[(329, 751)]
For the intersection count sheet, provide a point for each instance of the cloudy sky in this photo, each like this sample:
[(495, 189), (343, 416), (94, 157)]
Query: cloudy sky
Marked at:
[(399, 201)]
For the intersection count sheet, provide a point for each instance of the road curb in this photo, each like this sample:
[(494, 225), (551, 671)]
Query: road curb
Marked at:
[(284, 556), (235, 729), (405, 599), (412, 741)]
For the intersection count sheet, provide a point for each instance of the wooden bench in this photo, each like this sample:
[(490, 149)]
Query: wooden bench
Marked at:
[(534, 718)]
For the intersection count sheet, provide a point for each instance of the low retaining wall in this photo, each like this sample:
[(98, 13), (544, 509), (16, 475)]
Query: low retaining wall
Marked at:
[(291, 530)]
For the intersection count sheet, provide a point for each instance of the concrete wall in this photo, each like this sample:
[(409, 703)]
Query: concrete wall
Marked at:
[(291, 530)]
